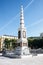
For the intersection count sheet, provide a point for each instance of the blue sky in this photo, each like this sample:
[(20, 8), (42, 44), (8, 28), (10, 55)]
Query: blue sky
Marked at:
[(10, 17)]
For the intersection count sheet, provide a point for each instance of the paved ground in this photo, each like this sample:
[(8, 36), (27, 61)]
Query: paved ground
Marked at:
[(35, 60)]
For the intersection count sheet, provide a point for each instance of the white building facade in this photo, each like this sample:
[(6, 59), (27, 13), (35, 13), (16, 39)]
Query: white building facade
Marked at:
[(9, 37), (41, 35)]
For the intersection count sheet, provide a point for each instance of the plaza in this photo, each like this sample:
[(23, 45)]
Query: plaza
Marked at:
[(25, 48), (31, 60)]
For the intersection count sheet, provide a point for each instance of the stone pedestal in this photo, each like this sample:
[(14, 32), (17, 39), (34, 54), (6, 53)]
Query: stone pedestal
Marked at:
[(22, 51)]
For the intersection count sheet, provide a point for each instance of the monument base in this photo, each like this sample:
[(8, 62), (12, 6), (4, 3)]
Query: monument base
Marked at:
[(22, 51)]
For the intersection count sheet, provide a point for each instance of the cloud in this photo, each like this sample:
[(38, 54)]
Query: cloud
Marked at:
[(29, 4), (36, 23), (3, 27)]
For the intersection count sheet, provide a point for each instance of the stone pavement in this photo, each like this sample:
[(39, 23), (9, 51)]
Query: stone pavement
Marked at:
[(34, 60)]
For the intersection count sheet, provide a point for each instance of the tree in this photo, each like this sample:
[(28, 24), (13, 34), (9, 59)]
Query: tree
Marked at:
[(10, 44), (35, 43), (13, 41), (6, 43)]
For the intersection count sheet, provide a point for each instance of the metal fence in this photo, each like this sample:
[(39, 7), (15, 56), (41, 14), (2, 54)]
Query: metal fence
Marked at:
[(38, 51)]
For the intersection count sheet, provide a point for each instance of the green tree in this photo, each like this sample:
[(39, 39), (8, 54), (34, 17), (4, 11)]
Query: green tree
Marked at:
[(6, 43), (9, 44), (35, 43), (14, 41)]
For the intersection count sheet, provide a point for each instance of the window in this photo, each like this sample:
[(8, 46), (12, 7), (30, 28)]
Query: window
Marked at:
[(24, 34), (19, 34)]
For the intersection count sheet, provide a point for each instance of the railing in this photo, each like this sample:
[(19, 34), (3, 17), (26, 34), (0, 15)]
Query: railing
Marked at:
[(38, 51)]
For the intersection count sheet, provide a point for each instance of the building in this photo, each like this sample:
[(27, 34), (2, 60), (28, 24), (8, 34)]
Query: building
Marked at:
[(2, 38), (9, 37), (0, 43), (41, 35)]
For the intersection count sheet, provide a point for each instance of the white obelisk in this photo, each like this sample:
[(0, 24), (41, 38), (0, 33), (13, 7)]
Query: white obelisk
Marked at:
[(22, 43)]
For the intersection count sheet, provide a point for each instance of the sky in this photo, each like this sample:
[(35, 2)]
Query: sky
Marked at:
[(10, 17)]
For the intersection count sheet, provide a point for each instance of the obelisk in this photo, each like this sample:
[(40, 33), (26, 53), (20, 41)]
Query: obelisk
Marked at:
[(22, 43)]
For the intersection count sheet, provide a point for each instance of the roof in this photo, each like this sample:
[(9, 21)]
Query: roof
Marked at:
[(10, 35)]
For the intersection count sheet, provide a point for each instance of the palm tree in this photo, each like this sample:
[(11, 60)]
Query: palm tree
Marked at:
[(13, 41), (10, 44), (6, 43)]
